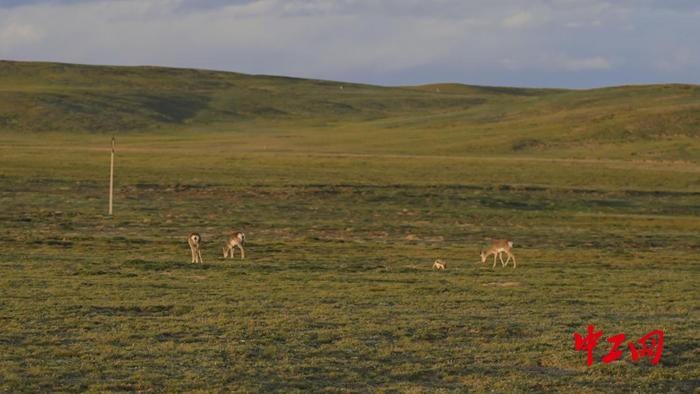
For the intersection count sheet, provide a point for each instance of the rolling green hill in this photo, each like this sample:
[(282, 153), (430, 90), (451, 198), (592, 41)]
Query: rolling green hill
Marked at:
[(653, 121)]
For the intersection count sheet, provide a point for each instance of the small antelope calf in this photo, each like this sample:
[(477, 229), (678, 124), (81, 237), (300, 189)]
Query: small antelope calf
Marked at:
[(193, 240), (235, 239), (499, 246), (439, 265)]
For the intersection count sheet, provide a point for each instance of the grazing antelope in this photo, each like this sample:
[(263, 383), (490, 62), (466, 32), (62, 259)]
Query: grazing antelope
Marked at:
[(235, 239), (499, 246), (439, 265), (193, 240)]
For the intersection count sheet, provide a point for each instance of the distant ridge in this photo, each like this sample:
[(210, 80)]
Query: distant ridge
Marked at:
[(42, 96), (59, 96)]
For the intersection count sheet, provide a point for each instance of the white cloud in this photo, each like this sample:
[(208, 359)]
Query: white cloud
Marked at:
[(521, 19), (15, 35)]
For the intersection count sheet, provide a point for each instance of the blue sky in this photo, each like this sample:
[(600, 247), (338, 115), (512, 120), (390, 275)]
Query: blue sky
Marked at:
[(553, 43)]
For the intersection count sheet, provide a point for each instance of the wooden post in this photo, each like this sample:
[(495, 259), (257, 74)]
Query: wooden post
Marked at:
[(111, 178)]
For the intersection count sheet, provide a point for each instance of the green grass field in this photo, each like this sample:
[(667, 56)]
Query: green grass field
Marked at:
[(346, 197)]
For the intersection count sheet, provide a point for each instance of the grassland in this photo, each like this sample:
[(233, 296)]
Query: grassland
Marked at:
[(344, 213)]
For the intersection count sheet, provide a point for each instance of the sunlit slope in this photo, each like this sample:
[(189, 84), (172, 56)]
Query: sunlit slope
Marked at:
[(653, 121)]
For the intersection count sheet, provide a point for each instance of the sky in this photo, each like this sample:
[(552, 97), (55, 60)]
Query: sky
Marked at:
[(535, 43)]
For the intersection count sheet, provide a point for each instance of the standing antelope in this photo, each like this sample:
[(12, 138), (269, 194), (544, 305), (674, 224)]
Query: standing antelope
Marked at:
[(235, 239), (499, 246), (439, 265), (193, 240)]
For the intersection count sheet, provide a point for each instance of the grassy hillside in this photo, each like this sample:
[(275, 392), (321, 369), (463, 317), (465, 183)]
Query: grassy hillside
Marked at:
[(48, 96), (633, 122)]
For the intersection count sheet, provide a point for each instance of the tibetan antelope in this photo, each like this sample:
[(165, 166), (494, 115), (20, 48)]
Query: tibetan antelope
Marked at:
[(235, 239), (499, 246), (194, 240), (439, 265)]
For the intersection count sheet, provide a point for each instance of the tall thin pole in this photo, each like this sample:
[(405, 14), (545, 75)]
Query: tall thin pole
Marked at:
[(111, 178)]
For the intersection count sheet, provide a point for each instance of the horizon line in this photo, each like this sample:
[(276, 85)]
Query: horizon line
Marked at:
[(423, 84)]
